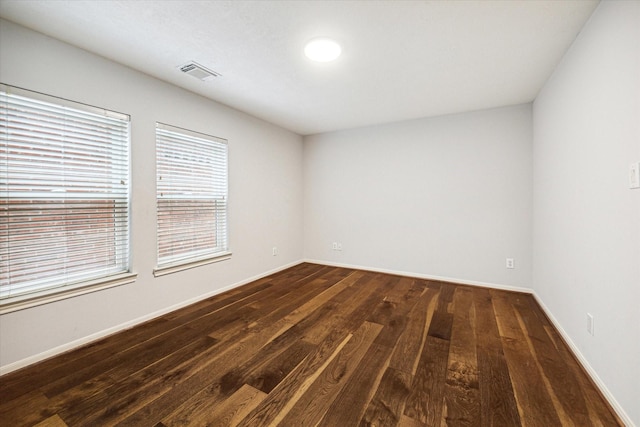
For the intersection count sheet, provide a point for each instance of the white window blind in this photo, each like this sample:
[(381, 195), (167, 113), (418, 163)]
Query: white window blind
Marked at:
[(64, 193), (191, 196)]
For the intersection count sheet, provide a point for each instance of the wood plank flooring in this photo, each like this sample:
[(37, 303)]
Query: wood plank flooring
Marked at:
[(320, 346)]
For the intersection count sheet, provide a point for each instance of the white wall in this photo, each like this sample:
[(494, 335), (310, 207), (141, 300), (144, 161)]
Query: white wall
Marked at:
[(586, 220), (265, 190), (444, 197)]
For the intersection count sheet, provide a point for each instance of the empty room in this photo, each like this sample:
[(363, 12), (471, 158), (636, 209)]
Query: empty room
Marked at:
[(324, 213)]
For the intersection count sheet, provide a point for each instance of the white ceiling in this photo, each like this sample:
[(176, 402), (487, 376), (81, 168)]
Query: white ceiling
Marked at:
[(401, 59)]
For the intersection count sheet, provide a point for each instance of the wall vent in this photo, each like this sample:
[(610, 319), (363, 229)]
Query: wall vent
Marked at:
[(198, 71)]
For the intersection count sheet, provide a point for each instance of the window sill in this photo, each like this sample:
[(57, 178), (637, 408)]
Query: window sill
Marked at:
[(174, 268), (21, 302)]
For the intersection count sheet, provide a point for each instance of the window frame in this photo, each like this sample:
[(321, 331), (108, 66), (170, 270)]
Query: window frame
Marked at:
[(34, 294), (186, 262)]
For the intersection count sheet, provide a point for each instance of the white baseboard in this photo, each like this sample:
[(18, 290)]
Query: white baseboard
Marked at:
[(585, 364), (121, 327), (426, 276)]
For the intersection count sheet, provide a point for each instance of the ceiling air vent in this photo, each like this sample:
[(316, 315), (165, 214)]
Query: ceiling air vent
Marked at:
[(198, 71)]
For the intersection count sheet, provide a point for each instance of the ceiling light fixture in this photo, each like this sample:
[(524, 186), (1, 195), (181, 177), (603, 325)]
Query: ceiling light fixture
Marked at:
[(322, 50)]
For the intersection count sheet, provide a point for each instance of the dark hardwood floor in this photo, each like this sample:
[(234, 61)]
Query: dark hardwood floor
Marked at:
[(316, 345)]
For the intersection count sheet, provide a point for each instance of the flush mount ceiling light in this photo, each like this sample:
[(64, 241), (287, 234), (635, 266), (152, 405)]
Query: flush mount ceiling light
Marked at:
[(322, 50)]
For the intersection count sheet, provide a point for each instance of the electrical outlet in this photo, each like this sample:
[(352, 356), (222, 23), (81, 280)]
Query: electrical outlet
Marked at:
[(510, 263), (339, 246), (274, 251), (634, 175), (590, 323), (334, 246)]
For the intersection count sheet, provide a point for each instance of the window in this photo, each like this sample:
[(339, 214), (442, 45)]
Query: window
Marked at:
[(64, 196), (191, 198)]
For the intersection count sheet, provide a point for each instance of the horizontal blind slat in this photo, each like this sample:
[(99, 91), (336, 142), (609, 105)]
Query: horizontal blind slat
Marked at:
[(191, 195), (64, 193)]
